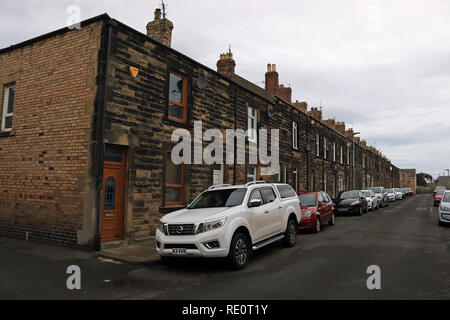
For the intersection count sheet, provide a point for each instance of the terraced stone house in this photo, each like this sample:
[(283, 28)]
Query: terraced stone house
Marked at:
[(87, 119)]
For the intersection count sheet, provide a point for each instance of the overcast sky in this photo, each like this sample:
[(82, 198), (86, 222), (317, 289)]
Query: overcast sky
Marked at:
[(382, 65)]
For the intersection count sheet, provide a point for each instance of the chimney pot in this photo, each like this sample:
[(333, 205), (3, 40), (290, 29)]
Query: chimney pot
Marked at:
[(160, 29)]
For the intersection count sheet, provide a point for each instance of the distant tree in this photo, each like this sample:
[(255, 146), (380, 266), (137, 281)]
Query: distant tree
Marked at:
[(423, 179)]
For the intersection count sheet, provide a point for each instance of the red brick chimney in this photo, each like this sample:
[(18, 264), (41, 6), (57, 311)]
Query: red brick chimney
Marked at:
[(340, 127), (272, 79), (226, 64), (303, 106), (315, 113), (160, 29), (285, 93)]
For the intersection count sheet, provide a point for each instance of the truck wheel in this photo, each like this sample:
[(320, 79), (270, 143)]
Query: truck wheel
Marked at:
[(240, 249), (290, 236)]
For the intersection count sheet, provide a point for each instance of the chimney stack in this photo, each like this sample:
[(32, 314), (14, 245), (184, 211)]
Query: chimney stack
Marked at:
[(272, 78), (160, 29), (226, 64), (340, 127), (316, 113), (303, 106)]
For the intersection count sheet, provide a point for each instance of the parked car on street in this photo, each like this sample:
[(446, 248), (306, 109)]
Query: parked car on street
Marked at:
[(317, 210), (372, 200), (231, 221), (437, 188), (351, 202), (382, 196), (398, 194), (444, 209), (438, 197), (391, 195)]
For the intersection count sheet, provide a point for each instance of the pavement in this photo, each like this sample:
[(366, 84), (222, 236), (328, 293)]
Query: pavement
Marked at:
[(136, 252), (404, 240)]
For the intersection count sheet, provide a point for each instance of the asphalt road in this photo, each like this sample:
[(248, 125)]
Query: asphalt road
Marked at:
[(404, 240)]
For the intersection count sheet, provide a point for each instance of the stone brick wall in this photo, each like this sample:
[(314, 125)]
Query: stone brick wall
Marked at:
[(45, 178), (136, 118)]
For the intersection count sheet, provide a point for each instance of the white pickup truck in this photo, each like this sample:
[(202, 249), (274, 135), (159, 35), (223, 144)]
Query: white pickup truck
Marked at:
[(231, 221)]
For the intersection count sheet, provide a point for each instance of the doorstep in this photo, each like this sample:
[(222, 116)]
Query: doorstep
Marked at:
[(135, 252)]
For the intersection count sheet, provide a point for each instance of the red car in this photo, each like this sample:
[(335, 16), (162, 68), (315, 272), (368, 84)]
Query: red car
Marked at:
[(317, 209), (438, 197)]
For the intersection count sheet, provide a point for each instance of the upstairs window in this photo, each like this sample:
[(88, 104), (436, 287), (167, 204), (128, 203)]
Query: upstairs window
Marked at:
[(324, 148), (251, 174), (341, 153), (294, 135), (317, 144), (363, 162), (334, 151), (252, 121), (8, 107), (348, 155), (178, 97)]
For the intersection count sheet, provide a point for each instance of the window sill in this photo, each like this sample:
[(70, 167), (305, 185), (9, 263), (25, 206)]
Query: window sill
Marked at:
[(185, 125), (6, 134)]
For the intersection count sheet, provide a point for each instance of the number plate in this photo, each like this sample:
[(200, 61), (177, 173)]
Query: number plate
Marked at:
[(343, 209), (179, 251)]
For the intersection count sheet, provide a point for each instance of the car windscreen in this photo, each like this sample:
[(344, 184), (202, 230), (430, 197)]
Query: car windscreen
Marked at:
[(390, 190), (446, 197), (308, 199), (376, 190), (366, 194), (349, 195), (219, 198), (440, 192)]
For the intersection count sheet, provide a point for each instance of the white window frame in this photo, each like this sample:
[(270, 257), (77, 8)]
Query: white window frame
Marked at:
[(294, 135), (364, 162), (324, 147), (253, 176), (5, 107), (251, 130), (317, 145), (342, 155), (334, 151), (325, 182), (348, 155)]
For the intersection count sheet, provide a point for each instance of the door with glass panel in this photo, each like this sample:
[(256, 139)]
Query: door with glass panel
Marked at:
[(112, 220)]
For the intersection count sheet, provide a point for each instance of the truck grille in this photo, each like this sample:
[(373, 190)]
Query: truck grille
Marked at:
[(181, 229)]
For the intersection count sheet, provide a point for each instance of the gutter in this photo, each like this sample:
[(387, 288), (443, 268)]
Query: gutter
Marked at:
[(99, 143)]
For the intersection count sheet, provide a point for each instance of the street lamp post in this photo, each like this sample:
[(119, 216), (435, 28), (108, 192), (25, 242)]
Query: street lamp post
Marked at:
[(354, 168)]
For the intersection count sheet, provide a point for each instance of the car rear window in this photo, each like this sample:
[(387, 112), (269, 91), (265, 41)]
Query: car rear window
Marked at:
[(308, 199), (376, 190), (286, 191)]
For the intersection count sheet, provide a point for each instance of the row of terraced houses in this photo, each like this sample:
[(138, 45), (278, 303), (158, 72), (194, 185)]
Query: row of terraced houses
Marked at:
[(87, 119)]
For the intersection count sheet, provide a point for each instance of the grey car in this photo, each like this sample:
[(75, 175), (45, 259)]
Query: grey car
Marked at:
[(381, 195)]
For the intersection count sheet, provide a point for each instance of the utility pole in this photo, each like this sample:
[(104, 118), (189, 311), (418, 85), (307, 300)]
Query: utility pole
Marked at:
[(354, 168)]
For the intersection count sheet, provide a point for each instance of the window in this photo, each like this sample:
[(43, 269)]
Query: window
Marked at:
[(286, 191), (8, 108), (175, 176), (252, 121), (363, 162), (294, 135), (285, 173), (341, 153), (324, 148), (317, 144), (110, 194), (348, 155), (334, 151), (251, 174), (256, 195), (268, 195), (340, 184), (219, 198), (178, 97), (325, 182)]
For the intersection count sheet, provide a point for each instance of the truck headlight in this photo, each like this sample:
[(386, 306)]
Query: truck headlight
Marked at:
[(214, 224), (162, 227)]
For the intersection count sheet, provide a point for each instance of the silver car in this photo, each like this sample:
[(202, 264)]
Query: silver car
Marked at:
[(372, 200), (444, 209)]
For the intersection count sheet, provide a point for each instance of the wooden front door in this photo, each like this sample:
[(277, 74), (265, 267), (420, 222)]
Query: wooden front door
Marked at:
[(112, 222)]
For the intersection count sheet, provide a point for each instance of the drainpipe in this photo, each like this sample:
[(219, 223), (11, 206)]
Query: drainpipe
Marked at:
[(99, 144), (235, 128)]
